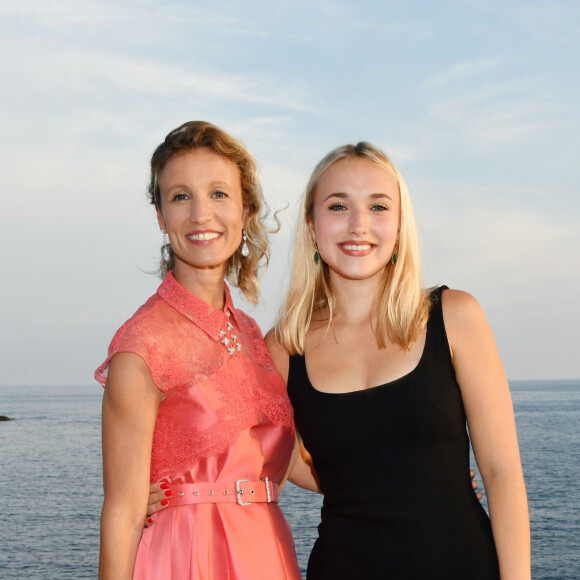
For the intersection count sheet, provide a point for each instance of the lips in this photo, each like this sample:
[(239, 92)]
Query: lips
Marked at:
[(203, 236), (356, 248)]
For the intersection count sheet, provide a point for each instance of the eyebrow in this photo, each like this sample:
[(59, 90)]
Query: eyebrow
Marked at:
[(342, 195), (213, 184)]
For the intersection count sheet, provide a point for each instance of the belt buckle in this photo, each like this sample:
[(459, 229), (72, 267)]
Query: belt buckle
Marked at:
[(268, 493), (240, 491)]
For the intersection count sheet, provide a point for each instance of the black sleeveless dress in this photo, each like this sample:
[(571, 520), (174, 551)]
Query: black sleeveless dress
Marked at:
[(393, 463)]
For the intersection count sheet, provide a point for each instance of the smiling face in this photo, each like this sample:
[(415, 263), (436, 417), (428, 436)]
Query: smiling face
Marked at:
[(201, 209), (356, 218)]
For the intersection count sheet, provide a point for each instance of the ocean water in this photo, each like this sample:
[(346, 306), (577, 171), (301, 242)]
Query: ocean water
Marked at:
[(51, 492)]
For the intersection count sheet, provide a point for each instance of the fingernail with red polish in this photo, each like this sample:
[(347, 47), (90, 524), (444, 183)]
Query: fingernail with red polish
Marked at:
[(164, 502), (149, 520), (169, 493), (164, 486)]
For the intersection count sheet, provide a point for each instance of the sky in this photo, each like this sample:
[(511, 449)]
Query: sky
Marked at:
[(476, 102)]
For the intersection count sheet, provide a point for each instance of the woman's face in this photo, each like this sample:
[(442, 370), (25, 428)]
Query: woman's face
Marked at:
[(201, 209), (356, 218)]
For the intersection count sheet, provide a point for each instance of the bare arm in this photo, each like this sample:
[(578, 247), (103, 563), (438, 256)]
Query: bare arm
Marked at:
[(303, 473), (301, 470), (130, 405), (490, 417), (293, 457)]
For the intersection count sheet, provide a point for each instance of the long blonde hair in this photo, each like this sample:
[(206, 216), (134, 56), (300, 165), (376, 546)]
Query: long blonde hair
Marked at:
[(401, 303), (240, 271)]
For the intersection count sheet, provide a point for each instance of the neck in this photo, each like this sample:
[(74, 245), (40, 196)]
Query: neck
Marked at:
[(206, 284), (355, 299)]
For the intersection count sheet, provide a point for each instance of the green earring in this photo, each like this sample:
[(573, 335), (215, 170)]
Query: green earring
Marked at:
[(316, 254), (394, 256)]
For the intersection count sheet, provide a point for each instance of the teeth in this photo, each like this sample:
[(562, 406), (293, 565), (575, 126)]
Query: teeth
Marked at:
[(356, 248), (204, 237)]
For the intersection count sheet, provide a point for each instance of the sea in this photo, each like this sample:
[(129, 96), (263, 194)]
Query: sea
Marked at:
[(50, 481)]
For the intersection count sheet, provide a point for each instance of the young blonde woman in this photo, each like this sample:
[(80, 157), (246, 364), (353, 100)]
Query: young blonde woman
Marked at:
[(192, 398), (383, 376)]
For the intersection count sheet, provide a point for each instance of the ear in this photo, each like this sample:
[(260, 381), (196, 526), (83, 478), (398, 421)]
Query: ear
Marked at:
[(160, 220), (310, 224), (245, 215)]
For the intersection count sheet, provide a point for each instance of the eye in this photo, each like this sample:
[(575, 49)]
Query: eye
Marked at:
[(379, 207), (219, 194), (179, 196), (337, 207)]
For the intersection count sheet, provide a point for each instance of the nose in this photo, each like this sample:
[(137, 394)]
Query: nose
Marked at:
[(359, 223), (200, 210)]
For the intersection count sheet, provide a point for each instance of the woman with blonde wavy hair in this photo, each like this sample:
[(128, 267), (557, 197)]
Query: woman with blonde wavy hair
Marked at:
[(383, 376), (192, 398)]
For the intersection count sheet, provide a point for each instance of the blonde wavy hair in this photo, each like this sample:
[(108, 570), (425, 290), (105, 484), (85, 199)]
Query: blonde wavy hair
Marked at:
[(240, 271), (401, 304)]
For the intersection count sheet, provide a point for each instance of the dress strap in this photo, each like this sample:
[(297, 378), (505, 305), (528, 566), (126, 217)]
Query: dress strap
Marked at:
[(436, 334), (436, 293), (297, 367)]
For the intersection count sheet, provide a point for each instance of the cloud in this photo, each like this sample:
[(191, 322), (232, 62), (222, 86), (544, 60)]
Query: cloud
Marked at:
[(476, 117), (158, 79), (90, 76), (460, 71)]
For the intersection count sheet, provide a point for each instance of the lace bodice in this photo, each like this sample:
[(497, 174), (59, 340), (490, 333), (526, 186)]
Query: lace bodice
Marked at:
[(222, 392)]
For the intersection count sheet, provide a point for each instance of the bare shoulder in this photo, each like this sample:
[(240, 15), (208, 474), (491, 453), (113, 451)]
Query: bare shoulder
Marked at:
[(466, 325), (278, 354), (273, 345), (461, 310)]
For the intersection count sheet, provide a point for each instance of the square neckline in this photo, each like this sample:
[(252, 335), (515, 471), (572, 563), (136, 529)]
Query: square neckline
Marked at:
[(388, 384)]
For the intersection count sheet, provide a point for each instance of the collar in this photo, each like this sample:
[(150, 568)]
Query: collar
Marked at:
[(209, 319)]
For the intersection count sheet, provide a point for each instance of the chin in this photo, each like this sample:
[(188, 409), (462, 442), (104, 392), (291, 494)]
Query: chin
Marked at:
[(358, 275), (205, 264)]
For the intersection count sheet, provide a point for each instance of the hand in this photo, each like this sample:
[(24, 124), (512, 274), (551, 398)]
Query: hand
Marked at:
[(474, 484), (159, 494)]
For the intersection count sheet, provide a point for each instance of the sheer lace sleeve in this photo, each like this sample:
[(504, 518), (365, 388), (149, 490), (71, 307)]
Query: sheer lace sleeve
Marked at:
[(143, 335)]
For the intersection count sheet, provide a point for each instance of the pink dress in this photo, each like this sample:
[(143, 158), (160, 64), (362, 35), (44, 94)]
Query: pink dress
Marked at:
[(225, 417)]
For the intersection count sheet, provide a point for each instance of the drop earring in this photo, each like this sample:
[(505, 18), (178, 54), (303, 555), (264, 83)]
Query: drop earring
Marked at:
[(316, 254), (165, 249), (394, 256), (245, 250)]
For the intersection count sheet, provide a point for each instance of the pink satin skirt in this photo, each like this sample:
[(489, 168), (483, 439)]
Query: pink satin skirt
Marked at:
[(221, 541)]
